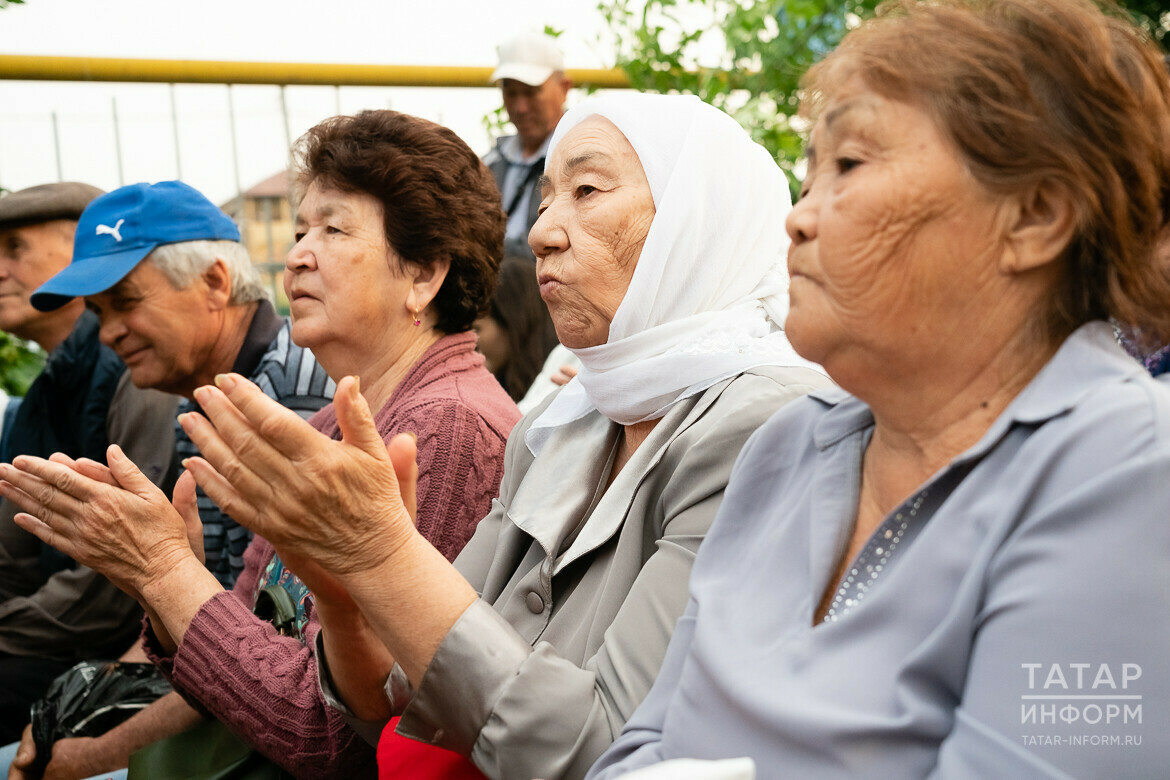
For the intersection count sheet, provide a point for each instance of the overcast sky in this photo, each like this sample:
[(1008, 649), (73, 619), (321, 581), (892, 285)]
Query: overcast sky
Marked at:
[(407, 32)]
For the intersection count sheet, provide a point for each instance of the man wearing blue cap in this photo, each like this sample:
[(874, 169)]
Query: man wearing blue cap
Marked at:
[(179, 301), (53, 612)]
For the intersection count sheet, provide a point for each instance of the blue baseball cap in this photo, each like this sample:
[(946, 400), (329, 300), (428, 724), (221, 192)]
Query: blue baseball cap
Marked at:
[(117, 230)]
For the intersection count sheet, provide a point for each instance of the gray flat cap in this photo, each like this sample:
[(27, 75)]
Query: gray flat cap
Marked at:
[(46, 202)]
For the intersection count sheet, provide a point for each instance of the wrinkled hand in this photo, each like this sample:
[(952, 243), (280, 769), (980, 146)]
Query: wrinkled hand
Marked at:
[(325, 586), (25, 754), (564, 375), (72, 759), (335, 503), (184, 501), (115, 520), (86, 467), (183, 497), (75, 759)]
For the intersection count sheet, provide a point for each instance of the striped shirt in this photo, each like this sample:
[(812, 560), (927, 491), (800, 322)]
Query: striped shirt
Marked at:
[(289, 375)]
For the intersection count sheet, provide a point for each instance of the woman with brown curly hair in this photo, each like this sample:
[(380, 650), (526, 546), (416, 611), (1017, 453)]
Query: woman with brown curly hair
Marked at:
[(399, 235)]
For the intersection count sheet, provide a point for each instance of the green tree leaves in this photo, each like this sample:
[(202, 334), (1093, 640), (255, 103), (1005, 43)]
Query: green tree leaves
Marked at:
[(747, 56), (19, 365)]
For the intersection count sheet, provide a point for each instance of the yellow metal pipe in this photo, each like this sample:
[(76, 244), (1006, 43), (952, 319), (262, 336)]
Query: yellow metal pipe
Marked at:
[(38, 68)]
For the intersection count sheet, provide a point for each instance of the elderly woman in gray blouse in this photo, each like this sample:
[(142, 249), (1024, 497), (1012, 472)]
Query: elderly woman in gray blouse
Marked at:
[(960, 567), (660, 261)]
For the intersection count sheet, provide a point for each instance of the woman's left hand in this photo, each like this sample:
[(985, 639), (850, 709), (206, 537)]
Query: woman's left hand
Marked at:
[(183, 498), (114, 520), (336, 503)]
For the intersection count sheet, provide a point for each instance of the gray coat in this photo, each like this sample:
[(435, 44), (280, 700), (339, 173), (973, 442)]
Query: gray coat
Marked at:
[(537, 678)]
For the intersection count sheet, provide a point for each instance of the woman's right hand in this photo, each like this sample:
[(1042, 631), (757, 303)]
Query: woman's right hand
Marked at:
[(335, 503), (327, 588), (564, 375)]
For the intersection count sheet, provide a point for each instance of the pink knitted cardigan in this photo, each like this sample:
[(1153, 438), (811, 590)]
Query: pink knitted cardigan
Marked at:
[(264, 686)]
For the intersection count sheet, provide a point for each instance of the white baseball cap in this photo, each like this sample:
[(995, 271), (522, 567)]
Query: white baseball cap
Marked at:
[(530, 58)]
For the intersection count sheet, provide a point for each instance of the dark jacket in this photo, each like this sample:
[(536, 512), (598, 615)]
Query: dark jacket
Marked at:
[(65, 408), (498, 164), (80, 404)]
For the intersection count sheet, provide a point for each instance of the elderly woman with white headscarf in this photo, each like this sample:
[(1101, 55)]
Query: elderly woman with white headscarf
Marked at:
[(661, 258)]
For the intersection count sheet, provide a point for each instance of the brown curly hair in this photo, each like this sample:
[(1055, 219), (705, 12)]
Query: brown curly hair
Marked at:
[(1034, 92), (439, 201)]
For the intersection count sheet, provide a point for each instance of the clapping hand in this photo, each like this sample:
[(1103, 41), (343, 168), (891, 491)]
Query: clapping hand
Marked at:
[(112, 519), (332, 509)]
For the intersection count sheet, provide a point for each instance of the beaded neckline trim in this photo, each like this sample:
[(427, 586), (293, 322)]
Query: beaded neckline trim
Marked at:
[(873, 559)]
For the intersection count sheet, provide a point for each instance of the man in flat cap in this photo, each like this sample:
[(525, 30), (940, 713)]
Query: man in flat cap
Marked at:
[(53, 612), (532, 77)]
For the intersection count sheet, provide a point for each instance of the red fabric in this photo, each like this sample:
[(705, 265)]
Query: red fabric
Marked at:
[(400, 757), (264, 686)]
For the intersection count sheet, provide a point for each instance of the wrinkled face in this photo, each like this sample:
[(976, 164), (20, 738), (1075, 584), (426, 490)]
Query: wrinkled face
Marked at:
[(29, 256), (344, 288), (492, 343), (534, 111), (893, 241), (595, 211), (163, 335)]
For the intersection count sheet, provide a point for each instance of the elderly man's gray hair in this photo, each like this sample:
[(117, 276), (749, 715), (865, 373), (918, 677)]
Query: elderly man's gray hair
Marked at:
[(182, 263)]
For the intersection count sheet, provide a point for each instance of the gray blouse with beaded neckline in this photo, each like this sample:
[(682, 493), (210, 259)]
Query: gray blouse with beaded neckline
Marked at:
[(875, 557), (1017, 628)]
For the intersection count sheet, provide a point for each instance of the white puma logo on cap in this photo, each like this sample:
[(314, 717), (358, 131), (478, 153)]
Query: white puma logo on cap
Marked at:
[(113, 231)]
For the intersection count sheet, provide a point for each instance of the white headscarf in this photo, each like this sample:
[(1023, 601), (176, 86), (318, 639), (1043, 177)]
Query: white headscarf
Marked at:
[(709, 294)]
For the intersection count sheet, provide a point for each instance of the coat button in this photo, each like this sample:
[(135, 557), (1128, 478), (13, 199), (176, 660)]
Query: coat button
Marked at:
[(535, 603)]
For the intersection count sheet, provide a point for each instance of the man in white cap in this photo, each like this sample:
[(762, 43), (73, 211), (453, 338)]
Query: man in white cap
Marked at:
[(532, 77)]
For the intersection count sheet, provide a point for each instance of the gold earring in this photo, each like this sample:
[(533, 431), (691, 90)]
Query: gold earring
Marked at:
[(417, 321)]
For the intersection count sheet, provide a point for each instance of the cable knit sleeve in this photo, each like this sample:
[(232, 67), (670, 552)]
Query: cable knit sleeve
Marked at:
[(262, 685), (459, 466)]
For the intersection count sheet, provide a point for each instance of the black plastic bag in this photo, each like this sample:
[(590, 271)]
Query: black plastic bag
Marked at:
[(89, 700)]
